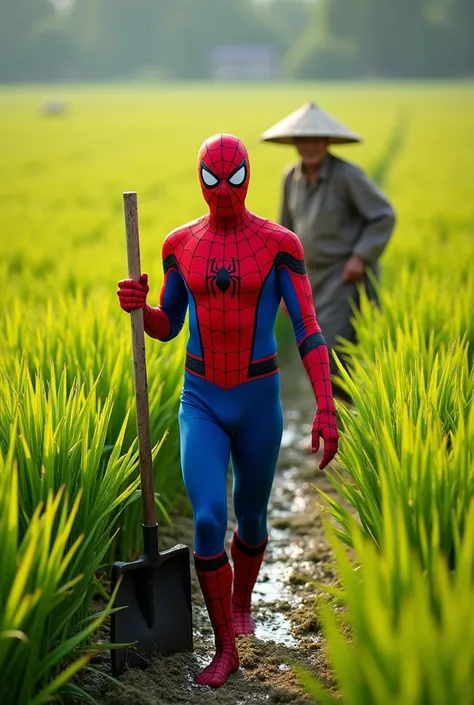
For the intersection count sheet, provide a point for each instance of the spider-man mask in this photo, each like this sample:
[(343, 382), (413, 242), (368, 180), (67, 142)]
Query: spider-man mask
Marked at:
[(224, 174)]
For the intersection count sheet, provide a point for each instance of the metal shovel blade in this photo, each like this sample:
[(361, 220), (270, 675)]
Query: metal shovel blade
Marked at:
[(156, 593)]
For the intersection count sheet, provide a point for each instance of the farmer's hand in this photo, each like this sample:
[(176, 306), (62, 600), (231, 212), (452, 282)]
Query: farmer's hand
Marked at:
[(354, 269), (325, 426), (132, 294)]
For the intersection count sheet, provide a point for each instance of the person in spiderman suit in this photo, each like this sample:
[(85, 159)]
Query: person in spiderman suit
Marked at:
[(232, 268)]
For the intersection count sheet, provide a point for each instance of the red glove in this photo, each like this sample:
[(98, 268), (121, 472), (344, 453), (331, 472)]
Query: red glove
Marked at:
[(132, 294), (324, 426)]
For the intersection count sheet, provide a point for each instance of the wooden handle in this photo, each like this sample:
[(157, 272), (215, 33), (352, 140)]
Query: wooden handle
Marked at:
[(139, 363)]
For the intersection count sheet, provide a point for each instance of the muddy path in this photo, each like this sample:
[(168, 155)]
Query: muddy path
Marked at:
[(287, 631)]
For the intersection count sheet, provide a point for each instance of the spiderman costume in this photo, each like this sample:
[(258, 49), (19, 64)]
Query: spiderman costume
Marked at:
[(231, 269)]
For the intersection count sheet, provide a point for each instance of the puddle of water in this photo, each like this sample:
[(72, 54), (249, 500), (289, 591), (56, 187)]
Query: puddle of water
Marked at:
[(275, 627), (315, 638), (272, 588), (299, 503), (290, 473), (293, 551), (291, 436), (278, 535), (203, 659), (273, 584), (294, 428), (277, 513)]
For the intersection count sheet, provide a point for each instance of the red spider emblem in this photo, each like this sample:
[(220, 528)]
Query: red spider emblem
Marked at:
[(223, 277)]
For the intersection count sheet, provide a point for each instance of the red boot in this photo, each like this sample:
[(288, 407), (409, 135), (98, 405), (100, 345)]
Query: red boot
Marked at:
[(247, 561), (215, 578)]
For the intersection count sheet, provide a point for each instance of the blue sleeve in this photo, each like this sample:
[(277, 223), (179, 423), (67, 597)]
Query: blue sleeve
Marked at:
[(297, 295), (291, 300), (174, 301), (165, 321)]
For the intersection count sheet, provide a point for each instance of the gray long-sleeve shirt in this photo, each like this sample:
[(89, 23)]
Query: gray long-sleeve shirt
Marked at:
[(344, 213)]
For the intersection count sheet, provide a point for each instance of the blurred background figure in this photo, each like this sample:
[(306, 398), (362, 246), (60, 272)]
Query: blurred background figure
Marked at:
[(342, 218), (53, 107)]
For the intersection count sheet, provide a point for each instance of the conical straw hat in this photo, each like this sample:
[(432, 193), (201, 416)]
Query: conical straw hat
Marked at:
[(309, 121)]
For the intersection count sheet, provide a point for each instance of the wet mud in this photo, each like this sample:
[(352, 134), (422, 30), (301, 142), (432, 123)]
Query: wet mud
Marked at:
[(287, 633)]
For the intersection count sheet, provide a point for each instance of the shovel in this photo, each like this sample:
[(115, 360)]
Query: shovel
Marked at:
[(155, 590)]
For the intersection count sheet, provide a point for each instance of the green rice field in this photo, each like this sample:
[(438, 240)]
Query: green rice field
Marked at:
[(403, 630)]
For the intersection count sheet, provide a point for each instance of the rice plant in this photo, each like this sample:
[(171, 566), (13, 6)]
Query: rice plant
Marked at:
[(57, 437), (400, 639), (419, 309), (96, 350), (94, 355), (415, 432), (42, 645)]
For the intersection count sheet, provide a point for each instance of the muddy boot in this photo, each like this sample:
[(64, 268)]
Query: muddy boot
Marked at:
[(247, 561), (215, 579)]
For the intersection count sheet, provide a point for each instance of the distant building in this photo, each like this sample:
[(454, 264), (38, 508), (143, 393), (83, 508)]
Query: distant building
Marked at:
[(241, 62)]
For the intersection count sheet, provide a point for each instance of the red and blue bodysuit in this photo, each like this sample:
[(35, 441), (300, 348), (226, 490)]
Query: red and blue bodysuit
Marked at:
[(230, 269)]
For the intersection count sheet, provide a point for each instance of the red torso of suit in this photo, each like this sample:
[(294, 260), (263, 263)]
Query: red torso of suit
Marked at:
[(234, 290)]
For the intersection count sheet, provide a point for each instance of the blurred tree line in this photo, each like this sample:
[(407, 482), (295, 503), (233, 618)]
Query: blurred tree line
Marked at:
[(44, 40)]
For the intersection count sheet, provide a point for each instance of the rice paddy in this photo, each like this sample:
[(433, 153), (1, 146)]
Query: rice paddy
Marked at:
[(404, 632)]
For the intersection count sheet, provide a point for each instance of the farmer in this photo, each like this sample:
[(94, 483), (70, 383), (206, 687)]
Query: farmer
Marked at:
[(231, 268), (342, 218)]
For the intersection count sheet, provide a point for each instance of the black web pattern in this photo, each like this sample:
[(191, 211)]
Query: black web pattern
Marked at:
[(310, 343), (227, 324)]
